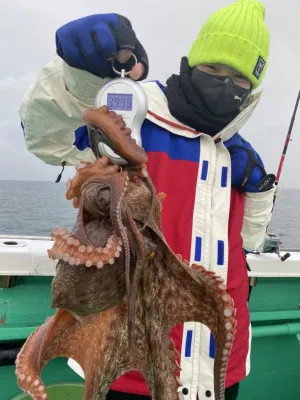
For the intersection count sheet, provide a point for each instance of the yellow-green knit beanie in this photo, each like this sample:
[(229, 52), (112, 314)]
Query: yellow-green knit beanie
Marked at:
[(236, 36)]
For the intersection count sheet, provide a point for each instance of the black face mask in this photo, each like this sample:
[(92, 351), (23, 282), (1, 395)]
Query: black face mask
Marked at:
[(219, 94), (203, 102)]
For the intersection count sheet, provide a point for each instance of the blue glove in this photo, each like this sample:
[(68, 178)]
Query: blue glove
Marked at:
[(89, 43), (247, 169)]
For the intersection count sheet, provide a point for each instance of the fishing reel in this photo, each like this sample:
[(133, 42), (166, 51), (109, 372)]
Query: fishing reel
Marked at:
[(272, 245)]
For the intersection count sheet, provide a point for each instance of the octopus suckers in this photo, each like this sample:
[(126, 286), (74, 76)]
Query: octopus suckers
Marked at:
[(228, 326), (69, 249), (228, 312)]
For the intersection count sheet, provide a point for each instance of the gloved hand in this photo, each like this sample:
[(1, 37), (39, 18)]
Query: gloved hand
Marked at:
[(247, 168), (92, 42)]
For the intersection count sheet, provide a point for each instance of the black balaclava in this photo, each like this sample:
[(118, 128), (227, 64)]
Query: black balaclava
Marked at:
[(205, 102)]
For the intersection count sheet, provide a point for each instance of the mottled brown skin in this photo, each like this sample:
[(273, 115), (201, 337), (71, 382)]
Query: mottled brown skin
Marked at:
[(92, 327)]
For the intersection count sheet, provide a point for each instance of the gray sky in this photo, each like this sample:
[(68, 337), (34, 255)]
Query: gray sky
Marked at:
[(167, 30)]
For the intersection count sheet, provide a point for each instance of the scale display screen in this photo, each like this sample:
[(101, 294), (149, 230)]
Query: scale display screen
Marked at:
[(119, 102)]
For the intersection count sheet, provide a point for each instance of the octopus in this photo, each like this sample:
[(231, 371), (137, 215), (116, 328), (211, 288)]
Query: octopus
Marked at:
[(119, 289)]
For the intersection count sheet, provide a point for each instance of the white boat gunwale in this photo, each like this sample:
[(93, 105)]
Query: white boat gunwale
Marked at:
[(27, 256)]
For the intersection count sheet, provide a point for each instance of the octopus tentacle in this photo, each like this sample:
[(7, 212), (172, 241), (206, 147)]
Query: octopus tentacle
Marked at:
[(223, 331), (176, 356), (119, 187), (153, 198), (63, 336), (140, 258), (84, 171), (114, 129), (203, 299), (68, 248), (117, 201), (31, 358), (28, 377)]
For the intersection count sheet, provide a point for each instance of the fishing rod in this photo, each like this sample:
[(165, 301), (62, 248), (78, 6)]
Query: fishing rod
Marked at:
[(286, 144), (272, 242)]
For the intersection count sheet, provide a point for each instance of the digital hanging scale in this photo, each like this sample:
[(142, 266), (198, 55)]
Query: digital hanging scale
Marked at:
[(128, 99)]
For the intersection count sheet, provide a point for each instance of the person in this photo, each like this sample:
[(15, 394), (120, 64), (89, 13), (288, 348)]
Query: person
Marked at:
[(218, 195)]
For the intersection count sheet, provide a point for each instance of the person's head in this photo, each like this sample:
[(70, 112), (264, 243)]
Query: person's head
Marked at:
[(234, 42), (226, 62)]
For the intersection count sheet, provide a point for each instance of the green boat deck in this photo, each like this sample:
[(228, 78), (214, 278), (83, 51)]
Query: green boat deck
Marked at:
[(275, 316)]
